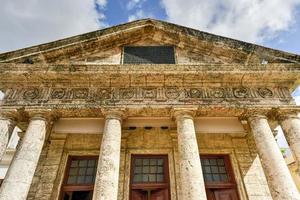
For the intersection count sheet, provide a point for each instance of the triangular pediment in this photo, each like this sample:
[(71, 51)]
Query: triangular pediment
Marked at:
[(191, 46)]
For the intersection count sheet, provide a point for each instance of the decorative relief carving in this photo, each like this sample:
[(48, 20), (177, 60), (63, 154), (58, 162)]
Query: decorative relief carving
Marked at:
[(126, 93), (265, 92), (172, 93), (241, 92), (218, 92), (149, 93), (104, 93), (80, 93), (58, 93), (155, 94), (195, 93), (30, 94)]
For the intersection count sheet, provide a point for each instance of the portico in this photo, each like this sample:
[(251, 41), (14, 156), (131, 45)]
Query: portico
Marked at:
[(111, 130)]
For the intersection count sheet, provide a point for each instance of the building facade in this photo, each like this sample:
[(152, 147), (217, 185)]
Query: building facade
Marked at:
[(149, 110)]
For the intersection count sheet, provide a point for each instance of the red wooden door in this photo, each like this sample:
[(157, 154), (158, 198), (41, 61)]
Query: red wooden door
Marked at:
[(161, 194), (138, 195), (210, 195), (226, 194)]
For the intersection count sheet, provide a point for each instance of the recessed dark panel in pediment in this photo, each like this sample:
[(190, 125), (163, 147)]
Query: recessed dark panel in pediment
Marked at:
[(149, 55)]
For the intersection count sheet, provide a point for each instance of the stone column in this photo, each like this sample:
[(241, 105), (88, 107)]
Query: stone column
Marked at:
[(19, 176), (290, 125), (281, 184), (7, 126), (192, 182), (107, 177)]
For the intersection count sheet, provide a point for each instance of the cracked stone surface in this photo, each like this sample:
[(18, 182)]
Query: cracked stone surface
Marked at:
[(291, 129), (192, 182), (6, 129), (21, 171), (107, 178), (277, 173)]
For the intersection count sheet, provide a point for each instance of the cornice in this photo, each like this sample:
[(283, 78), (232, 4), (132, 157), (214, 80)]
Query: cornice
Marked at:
[(130, 111), (66, 47), (16, 75)]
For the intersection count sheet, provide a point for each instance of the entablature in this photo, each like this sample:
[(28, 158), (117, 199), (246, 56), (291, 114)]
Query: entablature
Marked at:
[(92, 97), (180, 75)]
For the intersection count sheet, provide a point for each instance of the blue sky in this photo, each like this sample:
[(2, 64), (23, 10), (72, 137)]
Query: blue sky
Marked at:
[(272, 23), (117, 12)]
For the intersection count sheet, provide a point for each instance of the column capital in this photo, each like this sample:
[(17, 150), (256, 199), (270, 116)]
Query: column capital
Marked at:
[(177, 113), (114, 113), (43, 114), (9, 114), (249, 115), (283, 114)]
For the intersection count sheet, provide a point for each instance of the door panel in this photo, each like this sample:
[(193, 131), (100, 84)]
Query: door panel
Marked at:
[(160, 195), (226, 194), (210, 195), (138, 195)]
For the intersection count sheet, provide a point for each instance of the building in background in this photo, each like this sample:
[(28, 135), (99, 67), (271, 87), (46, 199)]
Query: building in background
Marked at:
[(148, 110)]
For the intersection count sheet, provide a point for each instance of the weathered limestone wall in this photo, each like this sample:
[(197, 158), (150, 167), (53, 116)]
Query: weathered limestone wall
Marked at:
[(183, 53), (49, 174), (248, 172), (294, 169), (246, 165), (142, 141), (45, 174)]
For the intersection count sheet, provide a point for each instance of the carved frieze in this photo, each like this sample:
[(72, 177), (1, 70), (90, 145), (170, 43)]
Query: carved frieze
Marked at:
[(58, 93), (147, 94), (31, 94), (80, 93), (241, 92), (172, 93), (217, 93), (265, 92)]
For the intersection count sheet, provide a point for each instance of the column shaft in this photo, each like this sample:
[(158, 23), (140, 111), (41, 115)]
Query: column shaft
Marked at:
[(19, 176), (277, 173), (107, 178), (291, 129), (6, 128), (192, 182)]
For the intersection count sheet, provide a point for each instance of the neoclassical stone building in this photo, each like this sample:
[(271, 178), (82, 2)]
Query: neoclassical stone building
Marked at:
[(148, 110)]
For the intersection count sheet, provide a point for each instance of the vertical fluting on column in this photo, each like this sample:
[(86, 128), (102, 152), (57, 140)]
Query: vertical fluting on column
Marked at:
[(7, 126), (290, 125), (192, 182), (277, 173), (107, 177), (19, 176)]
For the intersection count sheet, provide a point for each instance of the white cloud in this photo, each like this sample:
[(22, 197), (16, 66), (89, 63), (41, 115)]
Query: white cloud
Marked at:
[(134, 3), (139, 14), (296, 95), (249, 20), (101, 3), (30, 22), (1, 95)]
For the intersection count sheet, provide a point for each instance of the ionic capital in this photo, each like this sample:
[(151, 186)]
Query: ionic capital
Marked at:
[(180, 113)]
